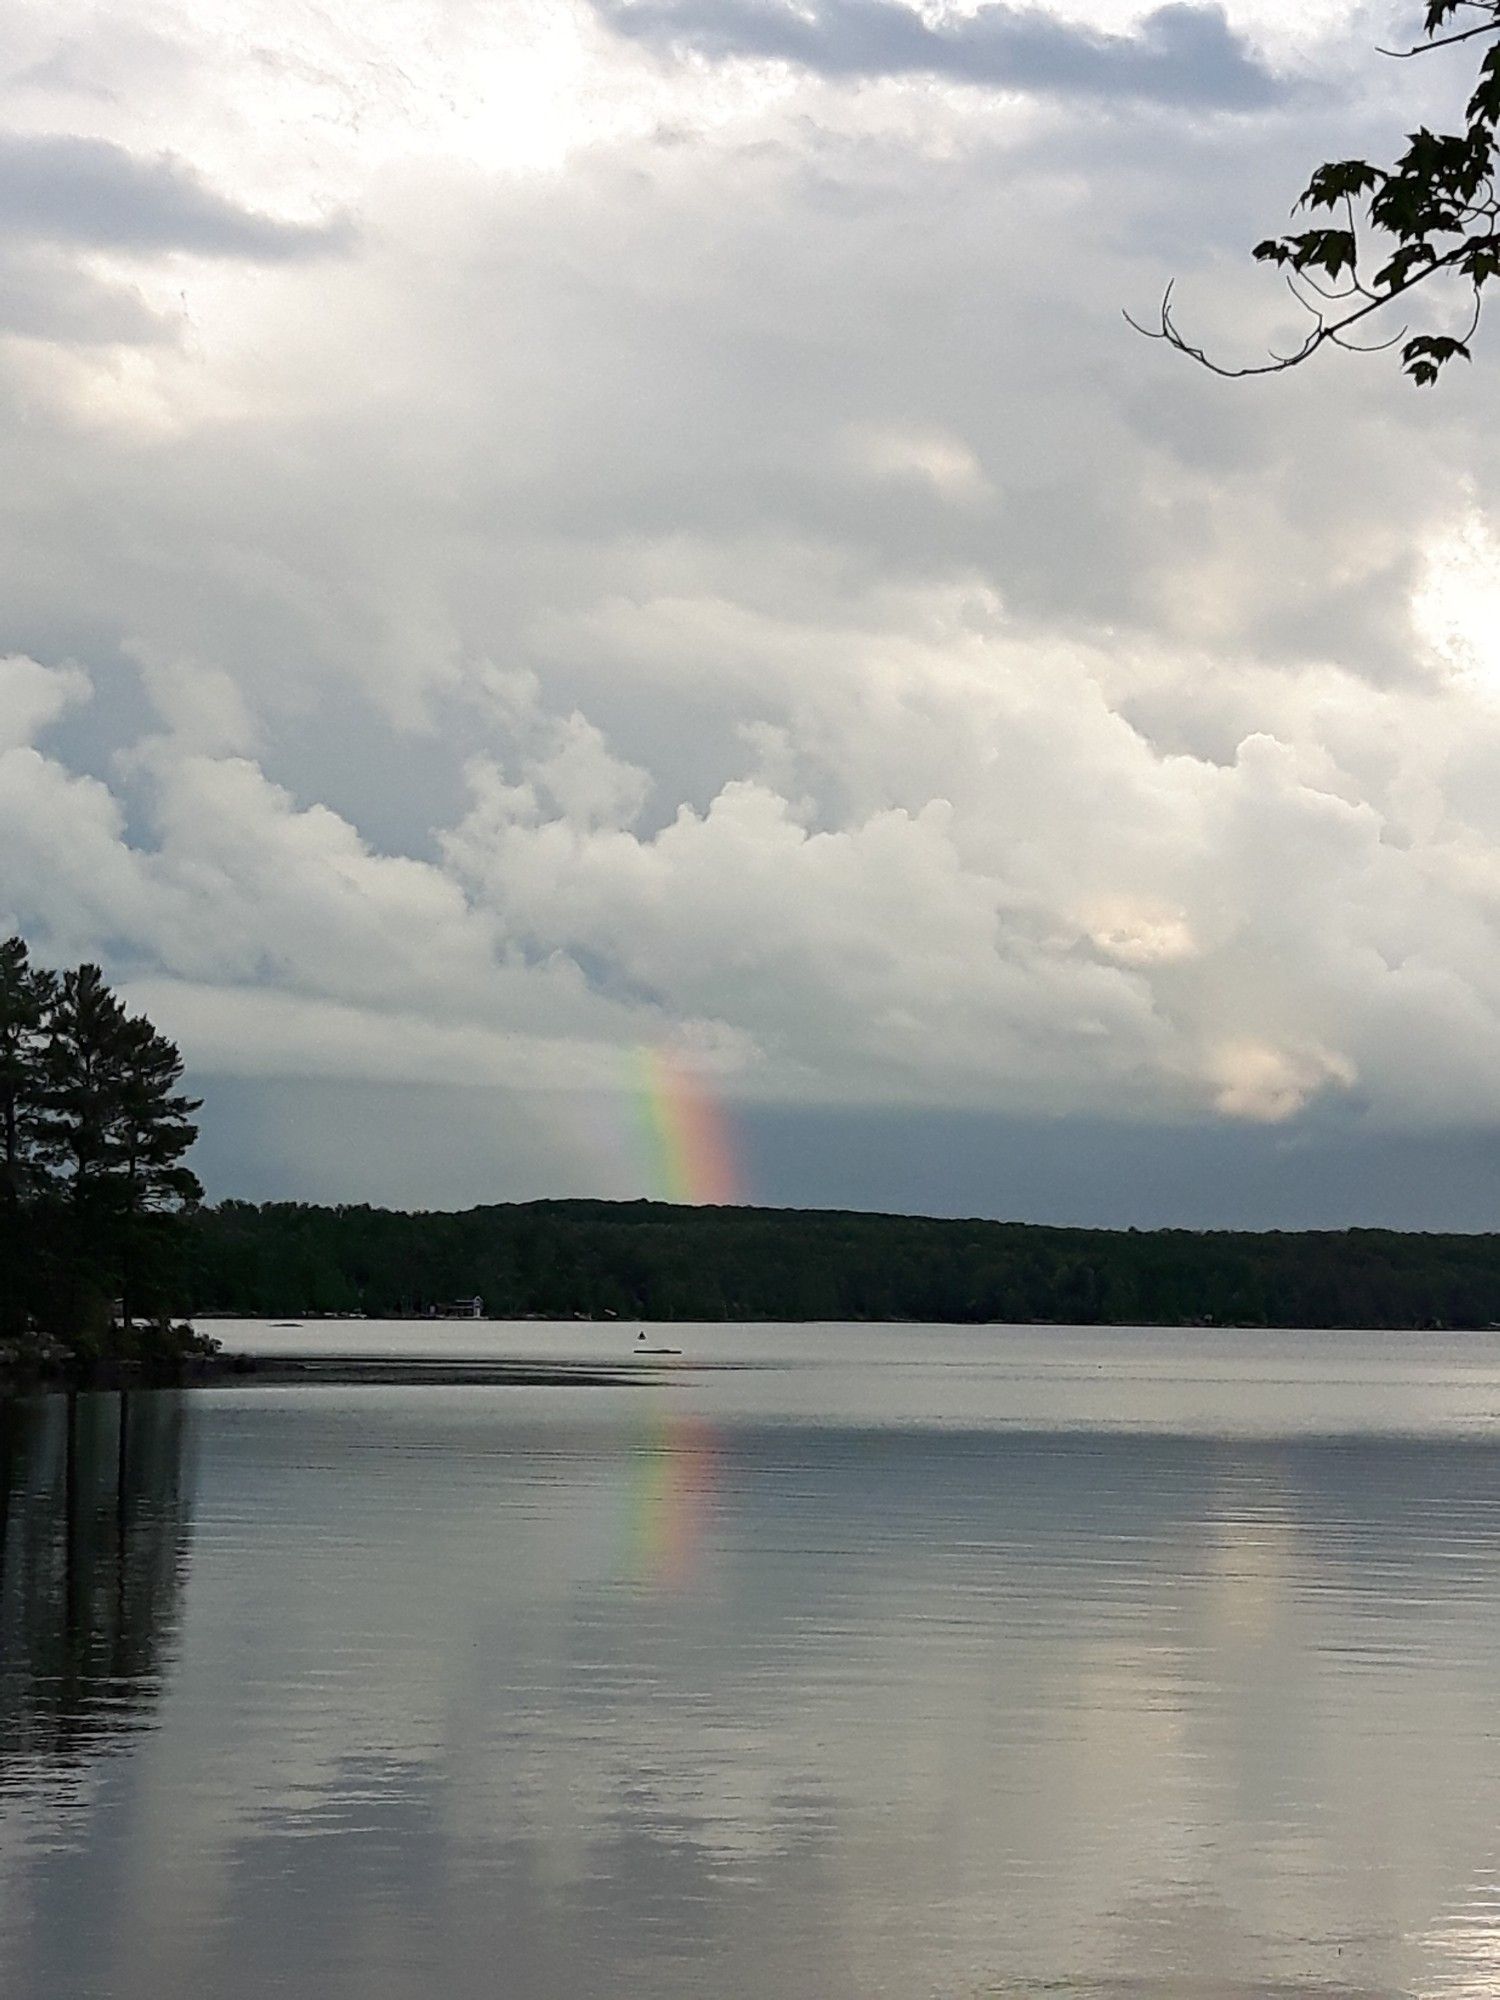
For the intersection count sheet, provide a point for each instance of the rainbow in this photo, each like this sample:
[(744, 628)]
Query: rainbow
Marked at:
[(689, 1147)]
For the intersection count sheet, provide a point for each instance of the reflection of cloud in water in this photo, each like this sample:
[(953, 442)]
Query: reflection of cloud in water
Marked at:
[(1463, 1947), (924, 1712)]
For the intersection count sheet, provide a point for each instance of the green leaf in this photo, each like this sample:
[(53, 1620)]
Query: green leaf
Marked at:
[(1330, 250), (1439, 11), (1428, 352), (1480, 260), (1340, 180), (1399, 270), (1484, 106)]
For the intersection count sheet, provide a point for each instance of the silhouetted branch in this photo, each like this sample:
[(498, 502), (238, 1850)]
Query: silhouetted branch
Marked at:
[(1436, 207)]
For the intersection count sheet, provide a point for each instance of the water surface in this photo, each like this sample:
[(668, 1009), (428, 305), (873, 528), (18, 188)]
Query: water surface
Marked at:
[(829, 1662)]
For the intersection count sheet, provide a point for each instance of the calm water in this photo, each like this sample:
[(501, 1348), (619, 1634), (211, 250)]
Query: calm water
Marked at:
[(845, 1662)]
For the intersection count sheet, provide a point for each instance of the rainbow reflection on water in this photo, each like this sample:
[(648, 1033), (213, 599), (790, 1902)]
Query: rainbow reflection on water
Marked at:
[(672, 1482)]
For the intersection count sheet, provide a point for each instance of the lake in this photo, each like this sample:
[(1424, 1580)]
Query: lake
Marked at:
[(827, 1661)]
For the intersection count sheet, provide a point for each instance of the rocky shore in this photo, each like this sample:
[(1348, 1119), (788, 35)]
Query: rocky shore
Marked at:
[(139, 1356)]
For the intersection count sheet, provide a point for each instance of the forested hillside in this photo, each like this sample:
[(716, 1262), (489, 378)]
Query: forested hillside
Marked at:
[(651, 1260)]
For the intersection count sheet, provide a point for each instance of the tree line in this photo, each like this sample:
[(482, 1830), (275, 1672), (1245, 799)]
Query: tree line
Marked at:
[(101, 1221), (649, 1260), (93, 1129)]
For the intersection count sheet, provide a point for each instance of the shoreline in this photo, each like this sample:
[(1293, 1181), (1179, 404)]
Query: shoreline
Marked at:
[(328, 1371), (414, 1371)]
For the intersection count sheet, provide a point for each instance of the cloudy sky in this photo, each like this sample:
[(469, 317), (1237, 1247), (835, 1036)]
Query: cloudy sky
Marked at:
[(537, 531)]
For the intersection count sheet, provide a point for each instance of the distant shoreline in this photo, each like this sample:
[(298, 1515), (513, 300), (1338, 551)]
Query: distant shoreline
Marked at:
[(280, 1371), (621, 1261), (414, 1371)]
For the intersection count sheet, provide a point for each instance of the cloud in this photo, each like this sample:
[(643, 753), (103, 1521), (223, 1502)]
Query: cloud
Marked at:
[(32, 697), (1268, 1085), (738, 585), (249, 1032), (907, 455), (1074, 919), (64, 189), (44, 296), (1183, 55), (272, 938)]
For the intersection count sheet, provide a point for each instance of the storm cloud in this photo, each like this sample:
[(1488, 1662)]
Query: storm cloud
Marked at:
[(706, 567), (64, 188), (1181, 54)]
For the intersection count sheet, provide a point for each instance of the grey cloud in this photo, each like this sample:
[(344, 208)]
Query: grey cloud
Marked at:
[(338, 1139), (1181, 54), (91, 193), (735, 447), (46, 297)]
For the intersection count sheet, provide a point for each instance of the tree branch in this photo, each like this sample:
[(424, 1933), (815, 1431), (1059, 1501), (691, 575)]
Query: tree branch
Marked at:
[(1321, 335)]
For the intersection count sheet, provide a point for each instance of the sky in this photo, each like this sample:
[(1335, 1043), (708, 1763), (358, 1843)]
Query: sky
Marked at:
[(560, 557)]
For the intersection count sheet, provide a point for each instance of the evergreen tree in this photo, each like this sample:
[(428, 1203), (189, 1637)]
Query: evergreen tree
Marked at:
[(26, 994), (83, 1101), (154, 1130), (113, 1129), (81, 1105)]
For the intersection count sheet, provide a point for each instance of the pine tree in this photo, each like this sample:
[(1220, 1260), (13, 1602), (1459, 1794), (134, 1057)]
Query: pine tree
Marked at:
[(113, 1131), (26, 993), (82, 1066), (153, 1132), (155, 1127)]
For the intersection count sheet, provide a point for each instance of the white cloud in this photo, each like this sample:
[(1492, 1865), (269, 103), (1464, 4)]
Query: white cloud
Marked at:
[(1268, 1084), (199, 705), (32, 696), (251, 1032), (1456, 607), (719, 533), (933, 458)]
